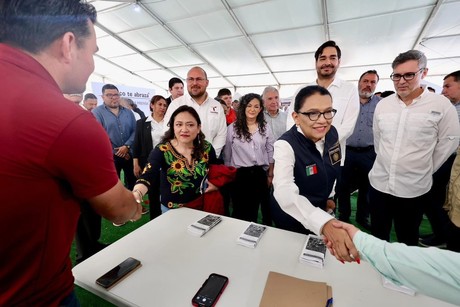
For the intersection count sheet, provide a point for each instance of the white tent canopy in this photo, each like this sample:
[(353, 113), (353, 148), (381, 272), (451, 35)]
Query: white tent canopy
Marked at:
[(245, 45)]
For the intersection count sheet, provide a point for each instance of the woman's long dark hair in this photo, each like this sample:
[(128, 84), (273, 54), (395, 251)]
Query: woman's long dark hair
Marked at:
[(241, 125), (198, 143)]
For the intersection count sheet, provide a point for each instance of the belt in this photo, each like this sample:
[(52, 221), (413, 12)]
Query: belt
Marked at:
[(361, 149)]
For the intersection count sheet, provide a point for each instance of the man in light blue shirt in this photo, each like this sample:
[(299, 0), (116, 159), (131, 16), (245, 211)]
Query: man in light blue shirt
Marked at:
[(430, 271), (120, 125)]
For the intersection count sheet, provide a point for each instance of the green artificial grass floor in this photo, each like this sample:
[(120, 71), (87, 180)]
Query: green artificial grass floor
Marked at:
[(111, 234)]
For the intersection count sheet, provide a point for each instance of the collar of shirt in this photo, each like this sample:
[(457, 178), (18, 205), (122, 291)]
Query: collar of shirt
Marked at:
[(151, 119), (277, 113), (194, 101), (416, 99)]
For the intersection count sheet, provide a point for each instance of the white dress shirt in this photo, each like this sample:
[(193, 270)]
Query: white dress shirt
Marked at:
[(345, 100), (212, 117), (412, 142), (286, 192), (156, 130)]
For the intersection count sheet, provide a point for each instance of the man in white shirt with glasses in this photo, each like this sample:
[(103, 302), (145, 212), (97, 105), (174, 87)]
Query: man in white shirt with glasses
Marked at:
[(415, 131), (211, 113)]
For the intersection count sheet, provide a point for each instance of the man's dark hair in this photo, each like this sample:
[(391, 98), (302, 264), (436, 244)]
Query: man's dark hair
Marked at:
[(372, 71), (455, 75), (409, 55), (109, 87), (33, 25), (324, 46), (173, 81), (223, 92), (89, 96)]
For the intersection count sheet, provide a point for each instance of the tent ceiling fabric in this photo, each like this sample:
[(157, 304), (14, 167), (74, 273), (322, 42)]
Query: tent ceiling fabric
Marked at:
[(246, 45)]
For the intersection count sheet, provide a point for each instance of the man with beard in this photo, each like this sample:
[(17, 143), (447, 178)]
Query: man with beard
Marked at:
[(360, 153), (211, 113), (120, 125)]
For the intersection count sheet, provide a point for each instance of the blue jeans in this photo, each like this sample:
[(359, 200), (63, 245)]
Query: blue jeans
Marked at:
[(70, 301)]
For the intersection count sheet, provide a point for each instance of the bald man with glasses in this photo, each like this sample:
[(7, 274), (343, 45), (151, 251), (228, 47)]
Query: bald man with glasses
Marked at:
[(211, 113), (415, 131)]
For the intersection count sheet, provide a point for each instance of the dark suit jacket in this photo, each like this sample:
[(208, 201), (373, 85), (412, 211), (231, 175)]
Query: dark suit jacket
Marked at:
[(142, 141), (168, 100)]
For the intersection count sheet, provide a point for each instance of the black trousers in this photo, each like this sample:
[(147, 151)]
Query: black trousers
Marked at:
[(248, 192), (434, 211), (355, 171), (127, 167), (154, 201), (88, 233), (406, 213), (453, 237)]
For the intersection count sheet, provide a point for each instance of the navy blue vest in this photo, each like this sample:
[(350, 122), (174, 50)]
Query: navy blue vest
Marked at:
[(313, 174)]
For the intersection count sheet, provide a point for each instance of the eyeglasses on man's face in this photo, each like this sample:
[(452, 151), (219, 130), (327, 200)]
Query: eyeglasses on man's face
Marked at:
[(315, 115), (191, 80), (407, 76), (112, 95)]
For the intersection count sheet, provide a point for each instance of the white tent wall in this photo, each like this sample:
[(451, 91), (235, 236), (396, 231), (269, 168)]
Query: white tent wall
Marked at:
[(245, 45)]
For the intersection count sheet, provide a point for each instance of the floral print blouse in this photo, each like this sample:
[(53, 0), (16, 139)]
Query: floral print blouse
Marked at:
[(179, 180)]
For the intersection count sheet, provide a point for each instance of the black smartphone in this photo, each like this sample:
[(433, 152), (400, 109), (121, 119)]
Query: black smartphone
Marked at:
[(119, 272), (210, 291)]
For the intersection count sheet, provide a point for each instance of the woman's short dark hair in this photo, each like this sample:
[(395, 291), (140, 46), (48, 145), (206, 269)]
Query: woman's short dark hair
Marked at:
[(241, 126), (307, 92), (33, 25), (154, 100), (198, 143)]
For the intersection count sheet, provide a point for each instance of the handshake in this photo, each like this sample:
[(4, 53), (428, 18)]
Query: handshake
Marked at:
[(338, 237)]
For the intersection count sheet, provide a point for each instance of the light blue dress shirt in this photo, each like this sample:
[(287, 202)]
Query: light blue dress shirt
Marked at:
[(121, 128), (431, 271)]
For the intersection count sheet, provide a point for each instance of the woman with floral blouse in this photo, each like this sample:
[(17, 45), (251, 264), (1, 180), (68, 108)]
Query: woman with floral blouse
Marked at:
[(180, 163)]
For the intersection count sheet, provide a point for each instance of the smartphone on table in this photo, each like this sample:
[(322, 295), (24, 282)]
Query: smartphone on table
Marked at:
[(119, 272), (210, 291)]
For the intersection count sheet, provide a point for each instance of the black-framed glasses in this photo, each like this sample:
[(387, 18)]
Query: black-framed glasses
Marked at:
[(407, 76), (112, 95), (315, 115)]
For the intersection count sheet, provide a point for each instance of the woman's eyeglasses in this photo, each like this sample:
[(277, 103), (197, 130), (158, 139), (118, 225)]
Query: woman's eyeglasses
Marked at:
[(315, 115)]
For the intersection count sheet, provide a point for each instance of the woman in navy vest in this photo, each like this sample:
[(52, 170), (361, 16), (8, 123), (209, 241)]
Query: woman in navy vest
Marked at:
[(307, 161)]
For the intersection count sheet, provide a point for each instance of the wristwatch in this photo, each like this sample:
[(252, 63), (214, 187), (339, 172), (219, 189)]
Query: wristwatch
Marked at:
[(129, 147)]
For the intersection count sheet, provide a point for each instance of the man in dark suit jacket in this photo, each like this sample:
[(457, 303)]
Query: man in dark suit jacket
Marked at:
[(176, 88)]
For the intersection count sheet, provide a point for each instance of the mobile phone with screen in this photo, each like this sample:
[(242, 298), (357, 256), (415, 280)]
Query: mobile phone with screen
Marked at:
[(210, 291), (119, 272)]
